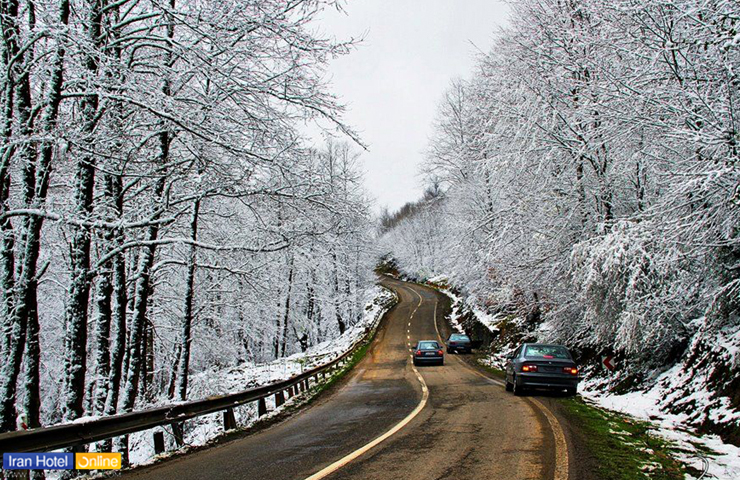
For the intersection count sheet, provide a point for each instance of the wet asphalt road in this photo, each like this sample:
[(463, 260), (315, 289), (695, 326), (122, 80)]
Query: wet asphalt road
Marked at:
[(469, 429)]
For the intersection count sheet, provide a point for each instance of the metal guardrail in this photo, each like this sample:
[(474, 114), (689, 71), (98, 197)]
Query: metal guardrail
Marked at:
[(75, 434)]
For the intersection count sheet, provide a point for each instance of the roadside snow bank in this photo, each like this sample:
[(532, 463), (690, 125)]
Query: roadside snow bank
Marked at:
[(722, 459)]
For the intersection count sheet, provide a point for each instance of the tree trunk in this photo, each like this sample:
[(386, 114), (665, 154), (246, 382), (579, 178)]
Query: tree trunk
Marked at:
[(75, 360), (114, 193), (337, 304), (130, 297), (10, 347), (32, 405), (138, 322), (310, 307), (580, 185), (103, 293), (276, 340), (187, 320), (146, 259), (148, 345), (118, 308), (9, 11), (286, 316), (172, 384)]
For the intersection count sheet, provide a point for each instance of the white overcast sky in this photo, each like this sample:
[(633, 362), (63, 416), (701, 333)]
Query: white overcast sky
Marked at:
[(393, 82)]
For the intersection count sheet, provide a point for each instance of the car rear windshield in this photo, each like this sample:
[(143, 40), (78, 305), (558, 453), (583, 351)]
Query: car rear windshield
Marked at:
[(460, 338), (547, 351), (428, 345)]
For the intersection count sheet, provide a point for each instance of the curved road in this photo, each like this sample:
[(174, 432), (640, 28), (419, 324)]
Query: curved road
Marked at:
[(468, 428)]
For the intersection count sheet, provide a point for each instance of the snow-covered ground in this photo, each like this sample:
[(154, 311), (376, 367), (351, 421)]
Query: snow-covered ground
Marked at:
[(201, 430), (723, 459)]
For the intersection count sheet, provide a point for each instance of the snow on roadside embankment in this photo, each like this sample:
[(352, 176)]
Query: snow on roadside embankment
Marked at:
[(722, 460), (678, 401), (201, 430)]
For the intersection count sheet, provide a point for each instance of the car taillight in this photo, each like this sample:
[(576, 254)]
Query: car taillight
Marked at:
[(570, 370), (418, 352), (529, 368), (440, 352)]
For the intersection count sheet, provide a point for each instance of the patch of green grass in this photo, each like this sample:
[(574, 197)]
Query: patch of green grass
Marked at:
[(358, 355), (623, 448)]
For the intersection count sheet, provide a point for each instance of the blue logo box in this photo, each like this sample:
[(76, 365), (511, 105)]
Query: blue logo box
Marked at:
[(38, 461)]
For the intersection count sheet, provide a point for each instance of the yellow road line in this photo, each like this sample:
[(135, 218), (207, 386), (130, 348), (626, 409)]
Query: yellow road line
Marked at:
[(561, 447), (348, 458)]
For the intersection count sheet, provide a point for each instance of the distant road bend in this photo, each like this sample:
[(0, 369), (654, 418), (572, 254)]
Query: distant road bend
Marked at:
[(390, 420)]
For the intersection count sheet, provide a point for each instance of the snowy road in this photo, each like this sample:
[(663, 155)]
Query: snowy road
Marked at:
[(469, 427)]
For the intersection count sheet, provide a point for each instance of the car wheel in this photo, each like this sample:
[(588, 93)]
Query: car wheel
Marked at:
[(509, 385), (442, 362), (448, 350), (518, 389), (415, 363), (570, 392)]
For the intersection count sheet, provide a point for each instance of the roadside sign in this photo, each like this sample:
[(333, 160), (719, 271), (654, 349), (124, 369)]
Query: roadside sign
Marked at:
[(607, 361)]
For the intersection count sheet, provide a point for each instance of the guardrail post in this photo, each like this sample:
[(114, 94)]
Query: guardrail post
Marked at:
[(177, 433), (158, 442), (261, 407), (306, 385), (229, 419), (279, 398)]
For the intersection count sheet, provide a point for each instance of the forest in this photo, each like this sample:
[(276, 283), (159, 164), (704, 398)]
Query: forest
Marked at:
[(166, 209), (586, 176), (163, 210)]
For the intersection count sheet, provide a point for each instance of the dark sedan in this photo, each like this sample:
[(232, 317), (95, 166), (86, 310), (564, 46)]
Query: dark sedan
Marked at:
[(459, 343), (428, 351), (535, 365)]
